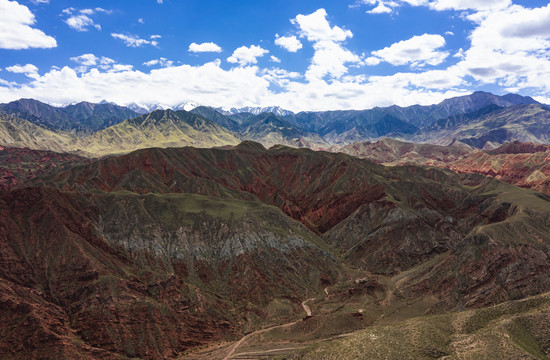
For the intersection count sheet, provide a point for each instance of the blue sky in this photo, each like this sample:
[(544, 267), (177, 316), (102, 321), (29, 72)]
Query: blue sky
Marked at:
[(300, 55)]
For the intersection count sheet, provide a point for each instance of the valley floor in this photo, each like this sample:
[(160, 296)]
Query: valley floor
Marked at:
[(511, 330)]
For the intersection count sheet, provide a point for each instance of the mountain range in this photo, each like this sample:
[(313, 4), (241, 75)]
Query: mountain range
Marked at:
[(481, 120), (80, 118)]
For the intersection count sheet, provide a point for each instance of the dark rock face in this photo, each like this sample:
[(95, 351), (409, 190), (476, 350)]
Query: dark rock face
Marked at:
[(99, 277), (82, 294)]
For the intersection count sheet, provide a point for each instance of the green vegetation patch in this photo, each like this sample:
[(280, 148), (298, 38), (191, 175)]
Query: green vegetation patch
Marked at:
[(180, 208)]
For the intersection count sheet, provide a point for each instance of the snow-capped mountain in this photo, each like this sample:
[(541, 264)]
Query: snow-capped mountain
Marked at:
[(147, 108), (186, 105), (256, 110)]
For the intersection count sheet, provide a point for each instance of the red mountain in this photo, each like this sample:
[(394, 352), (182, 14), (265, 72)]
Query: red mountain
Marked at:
[(159, 251)]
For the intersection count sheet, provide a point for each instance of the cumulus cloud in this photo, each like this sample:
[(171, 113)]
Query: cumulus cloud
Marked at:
[(16, 31), (418, 51), (380, 6), (209, 84), (290, 43), (247, 55), (29, 70), (93, 11), (510, 48), (80, 20), (387, 6), (380, 9), (275, 59), (206, 84), (133, 40), (315, 27), (204, 47), (90, 63), (469, 4), (330, 57), (163, 62), (92, 60)]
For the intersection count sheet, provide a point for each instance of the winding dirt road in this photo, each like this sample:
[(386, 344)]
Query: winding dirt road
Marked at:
[(234, 347)]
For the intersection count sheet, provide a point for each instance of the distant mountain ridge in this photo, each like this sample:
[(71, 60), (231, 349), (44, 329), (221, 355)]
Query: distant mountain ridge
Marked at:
[(481, 120), (415, 115), (492, 128), (161, 128), (84, 117), (147, 108), (256, 110)]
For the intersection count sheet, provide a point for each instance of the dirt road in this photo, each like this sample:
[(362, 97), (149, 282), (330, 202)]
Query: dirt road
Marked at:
[(257, 332)]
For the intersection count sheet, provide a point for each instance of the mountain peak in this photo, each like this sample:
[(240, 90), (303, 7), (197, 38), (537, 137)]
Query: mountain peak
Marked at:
[(250, 146), (256, 110)]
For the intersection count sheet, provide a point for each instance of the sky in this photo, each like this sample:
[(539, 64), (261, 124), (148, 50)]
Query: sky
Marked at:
[(299, 55)]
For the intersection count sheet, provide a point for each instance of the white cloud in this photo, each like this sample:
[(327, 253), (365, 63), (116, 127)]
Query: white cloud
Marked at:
[(315, 27), (155, 36), (120, 68), (417, 51), (133, 40), (29, 70), (93, 11), (460, 54), (469, 4), (87, 11), (159, 1), (449, 33), (279, 77), (209, 84), (92, 60), (330, 56), (204, 47), (290, 43), (380, 9), (387, 6), (510, 48), (141, 21), (275, 59), (163, 62), (247, 55), (416, 2), (16, 31), (81, 22), (380, 6), (206, 84), (40, 1)]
